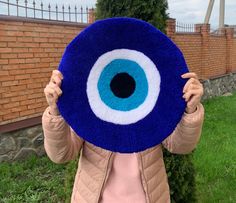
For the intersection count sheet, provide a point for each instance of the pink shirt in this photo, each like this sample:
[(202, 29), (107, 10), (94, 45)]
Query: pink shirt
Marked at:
[(124, 182)]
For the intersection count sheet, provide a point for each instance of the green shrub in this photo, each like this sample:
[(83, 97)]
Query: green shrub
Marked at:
[(152, 11), (179, 168), (181, 176)]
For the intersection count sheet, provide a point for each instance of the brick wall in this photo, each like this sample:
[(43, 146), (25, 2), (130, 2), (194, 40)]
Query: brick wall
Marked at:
[(216, 58), (234, 55), (29, 51), (206, 54), (191, 47)]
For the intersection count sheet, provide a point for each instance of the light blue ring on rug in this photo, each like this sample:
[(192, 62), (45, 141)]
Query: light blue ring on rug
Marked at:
[(136, 72)]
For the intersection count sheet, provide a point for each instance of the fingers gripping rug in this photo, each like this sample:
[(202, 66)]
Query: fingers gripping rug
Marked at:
[(122, 86)]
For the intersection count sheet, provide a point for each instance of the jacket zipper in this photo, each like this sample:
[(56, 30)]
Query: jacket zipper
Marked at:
[(143, 179), (104, 178)]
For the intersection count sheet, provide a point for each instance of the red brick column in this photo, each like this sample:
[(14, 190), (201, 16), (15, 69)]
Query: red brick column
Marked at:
[(204, 29), (229, 32), (91, 15), (197, 28), (171, 27)]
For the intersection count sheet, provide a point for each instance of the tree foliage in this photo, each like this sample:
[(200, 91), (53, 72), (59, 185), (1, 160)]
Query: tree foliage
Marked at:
[(152, 11), (181, 177)]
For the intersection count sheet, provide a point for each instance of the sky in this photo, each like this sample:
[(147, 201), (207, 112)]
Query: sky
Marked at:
[(185, 11), (194, 11)]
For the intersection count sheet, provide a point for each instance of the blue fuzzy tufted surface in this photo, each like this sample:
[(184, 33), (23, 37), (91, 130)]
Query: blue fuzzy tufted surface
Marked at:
[(79, 58)]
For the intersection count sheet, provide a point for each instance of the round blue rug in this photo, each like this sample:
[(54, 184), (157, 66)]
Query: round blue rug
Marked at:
[(122, 86)]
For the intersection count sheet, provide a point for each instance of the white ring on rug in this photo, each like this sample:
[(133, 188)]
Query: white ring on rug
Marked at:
[(106, 113)]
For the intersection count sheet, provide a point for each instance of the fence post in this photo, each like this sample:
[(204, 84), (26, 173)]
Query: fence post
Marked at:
[(197, 28), (229, 33), (91, 15), (204, 29), (171, 27)]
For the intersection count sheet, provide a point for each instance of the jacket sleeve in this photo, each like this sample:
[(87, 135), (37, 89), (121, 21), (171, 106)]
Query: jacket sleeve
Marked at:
[(186, 135), (60, 142)]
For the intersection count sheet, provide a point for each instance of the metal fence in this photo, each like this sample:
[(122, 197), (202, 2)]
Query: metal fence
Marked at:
[(183, 27), (41, 11), (217, 32)]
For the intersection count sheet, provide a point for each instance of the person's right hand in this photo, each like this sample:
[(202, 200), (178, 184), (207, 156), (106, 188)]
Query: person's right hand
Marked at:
[(52, 91)]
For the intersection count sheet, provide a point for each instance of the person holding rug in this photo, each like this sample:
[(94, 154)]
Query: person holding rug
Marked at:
[(108, 177)]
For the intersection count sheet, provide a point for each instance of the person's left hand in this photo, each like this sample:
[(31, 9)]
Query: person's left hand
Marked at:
[(193, 91)]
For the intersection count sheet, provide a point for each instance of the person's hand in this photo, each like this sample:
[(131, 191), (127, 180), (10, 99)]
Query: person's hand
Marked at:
[(193, 91), (52, 91)]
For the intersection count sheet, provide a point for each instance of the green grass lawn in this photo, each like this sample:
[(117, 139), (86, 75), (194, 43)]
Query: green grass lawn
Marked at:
[(215, 157), (40, 180), (36, 180)]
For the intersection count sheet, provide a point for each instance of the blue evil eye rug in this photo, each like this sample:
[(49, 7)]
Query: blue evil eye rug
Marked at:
[(122, 86)]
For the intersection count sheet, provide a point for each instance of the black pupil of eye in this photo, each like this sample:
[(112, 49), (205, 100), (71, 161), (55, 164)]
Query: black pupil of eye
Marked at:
[(122, 85)]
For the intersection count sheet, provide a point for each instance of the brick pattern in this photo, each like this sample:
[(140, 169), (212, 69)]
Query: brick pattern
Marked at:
[(28, 54), (30, 50), (234, 55), (207, 55), (190, 45), (216, 57)]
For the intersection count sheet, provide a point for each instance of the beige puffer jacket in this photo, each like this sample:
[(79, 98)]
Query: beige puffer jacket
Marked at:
[(62, 145)]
